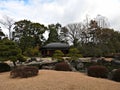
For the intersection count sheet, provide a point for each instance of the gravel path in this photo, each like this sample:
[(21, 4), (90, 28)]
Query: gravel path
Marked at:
[(54, 80)]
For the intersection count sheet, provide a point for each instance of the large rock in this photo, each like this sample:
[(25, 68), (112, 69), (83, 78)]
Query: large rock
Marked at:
[(72, 68)]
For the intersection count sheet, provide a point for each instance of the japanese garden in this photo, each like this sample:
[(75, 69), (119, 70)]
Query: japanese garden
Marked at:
[(90, 47)]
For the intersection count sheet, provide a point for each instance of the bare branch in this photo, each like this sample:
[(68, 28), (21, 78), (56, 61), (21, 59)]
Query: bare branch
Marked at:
[(7, 22)]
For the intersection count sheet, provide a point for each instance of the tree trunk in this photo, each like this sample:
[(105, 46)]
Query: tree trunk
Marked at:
[(9, 32), (14, 64)]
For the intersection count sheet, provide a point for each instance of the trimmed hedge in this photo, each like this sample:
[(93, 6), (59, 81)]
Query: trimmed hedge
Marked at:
[(24, 72), (4, 67), (62, 66), (116, 75), (98, 71)]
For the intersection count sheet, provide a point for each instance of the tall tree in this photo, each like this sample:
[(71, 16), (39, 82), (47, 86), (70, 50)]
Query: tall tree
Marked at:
[(8, 22), (106, 43), (22, 28), (37, 31), (72, 33), (28, 34), (54, 30), (102, 21), (22, 34)]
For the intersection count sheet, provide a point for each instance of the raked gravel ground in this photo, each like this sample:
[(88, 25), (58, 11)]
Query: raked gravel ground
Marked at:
[(54, 80)]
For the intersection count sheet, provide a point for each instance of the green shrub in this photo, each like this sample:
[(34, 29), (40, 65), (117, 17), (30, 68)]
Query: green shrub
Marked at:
[(74, 54), (97, 71), (88, 64), (62, 66), (24, 72), (35, 65), (21, 58), (58, 54), (32, 51), (4, 67), (116, 75)]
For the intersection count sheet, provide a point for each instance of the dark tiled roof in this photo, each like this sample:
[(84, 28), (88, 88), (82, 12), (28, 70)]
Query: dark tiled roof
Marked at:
[(56, 45)]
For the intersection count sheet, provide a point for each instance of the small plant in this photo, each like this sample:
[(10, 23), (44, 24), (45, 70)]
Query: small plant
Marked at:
[(24, 72), (62, 66), (98, 71), (4, 67), (58, 55), (74, 54), (32, 51), (116, 75)]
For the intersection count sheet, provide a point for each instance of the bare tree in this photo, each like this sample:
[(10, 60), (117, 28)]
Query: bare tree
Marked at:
[(72, 33), (7, 22), (84, 32), (102, 21), (1, 34)]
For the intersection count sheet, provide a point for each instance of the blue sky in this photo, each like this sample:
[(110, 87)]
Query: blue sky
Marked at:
[(26, 1), (62, 11)]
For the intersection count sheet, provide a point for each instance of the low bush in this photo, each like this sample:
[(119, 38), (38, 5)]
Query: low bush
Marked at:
[(97, 71), (62, 66), (58, 54), (116, 75), (4, 67), (24, 71), (88, 64), (74, 54), (35, 65)]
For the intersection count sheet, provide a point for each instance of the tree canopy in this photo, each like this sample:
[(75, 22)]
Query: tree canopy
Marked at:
[(28, 34), (53, 33), (92, 37), (9, 50)]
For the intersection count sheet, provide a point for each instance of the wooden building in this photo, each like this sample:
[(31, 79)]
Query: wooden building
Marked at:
[(49, 49)]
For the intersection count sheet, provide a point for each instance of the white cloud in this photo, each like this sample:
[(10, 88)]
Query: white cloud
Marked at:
[(62, 11)]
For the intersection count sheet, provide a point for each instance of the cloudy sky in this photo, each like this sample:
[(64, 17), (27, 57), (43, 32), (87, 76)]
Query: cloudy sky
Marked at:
[(62, 11)]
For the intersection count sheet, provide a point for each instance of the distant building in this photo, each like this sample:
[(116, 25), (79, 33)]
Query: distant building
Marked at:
[(49, 49)]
